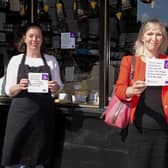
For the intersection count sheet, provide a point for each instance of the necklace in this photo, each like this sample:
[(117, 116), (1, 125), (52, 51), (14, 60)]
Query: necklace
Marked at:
[(144, 58)]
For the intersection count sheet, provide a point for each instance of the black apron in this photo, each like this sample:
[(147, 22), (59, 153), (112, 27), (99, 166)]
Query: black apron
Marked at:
[(30, 124)]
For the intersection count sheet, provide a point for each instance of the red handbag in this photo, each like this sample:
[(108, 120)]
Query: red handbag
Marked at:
[(118, 111)]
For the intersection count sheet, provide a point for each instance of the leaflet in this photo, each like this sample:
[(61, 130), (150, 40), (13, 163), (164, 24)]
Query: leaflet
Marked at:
[(68, 40), (157, 72), (38, 82)]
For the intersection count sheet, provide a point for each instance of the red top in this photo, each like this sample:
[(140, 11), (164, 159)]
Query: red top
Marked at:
[(139, 74)]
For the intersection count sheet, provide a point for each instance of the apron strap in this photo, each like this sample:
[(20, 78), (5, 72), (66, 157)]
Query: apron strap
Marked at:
[(45, 63), (44, 60)]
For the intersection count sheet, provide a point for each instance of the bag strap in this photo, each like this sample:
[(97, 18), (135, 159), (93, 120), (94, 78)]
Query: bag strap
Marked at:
[(133, 61)]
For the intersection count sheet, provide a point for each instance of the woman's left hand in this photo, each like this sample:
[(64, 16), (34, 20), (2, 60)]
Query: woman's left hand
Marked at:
[(53, 86)]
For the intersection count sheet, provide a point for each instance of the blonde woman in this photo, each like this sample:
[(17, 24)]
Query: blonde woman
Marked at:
[(148, 129)]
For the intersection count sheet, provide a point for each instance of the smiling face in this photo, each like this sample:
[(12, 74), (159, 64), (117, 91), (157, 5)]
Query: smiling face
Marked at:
[(33, 39), (152, 37)]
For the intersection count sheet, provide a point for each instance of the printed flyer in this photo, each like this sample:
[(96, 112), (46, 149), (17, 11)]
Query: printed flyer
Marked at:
[(157, 72), (38, 82)]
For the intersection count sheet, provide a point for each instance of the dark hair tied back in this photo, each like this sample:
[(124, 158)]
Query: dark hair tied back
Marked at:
[(21, 47), (30, 25)]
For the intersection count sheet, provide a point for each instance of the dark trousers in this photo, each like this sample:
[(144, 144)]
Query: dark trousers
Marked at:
[(147, 148)]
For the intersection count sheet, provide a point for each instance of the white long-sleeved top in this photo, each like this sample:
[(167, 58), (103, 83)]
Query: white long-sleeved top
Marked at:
[(13, 66)]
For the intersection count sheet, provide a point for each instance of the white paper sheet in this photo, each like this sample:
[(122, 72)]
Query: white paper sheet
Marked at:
[(68, 40), (38, 82), (157, 72)]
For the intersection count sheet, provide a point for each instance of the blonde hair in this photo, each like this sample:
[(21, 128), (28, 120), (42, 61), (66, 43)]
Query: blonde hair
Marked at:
[(139, 47)]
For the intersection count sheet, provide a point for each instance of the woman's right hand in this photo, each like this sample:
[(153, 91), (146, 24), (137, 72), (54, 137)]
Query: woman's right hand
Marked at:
[(136, 89), (16, 89), (23, 84)]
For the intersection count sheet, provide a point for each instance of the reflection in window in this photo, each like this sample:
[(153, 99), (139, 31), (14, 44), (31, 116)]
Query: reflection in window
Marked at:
[(123, 27), (155, 9)]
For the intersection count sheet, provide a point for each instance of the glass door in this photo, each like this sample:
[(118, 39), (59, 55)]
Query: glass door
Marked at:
[(72, 35)]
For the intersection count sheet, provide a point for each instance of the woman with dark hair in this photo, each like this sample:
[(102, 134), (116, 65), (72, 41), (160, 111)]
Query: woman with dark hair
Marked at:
[(30, 125)]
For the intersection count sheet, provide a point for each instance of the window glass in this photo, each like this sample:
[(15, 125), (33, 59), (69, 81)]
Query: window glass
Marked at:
[(155, 9)]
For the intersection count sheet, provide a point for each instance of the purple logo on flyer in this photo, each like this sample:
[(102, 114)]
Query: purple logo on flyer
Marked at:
[(72, 34), (45, 76), (166, 64)]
